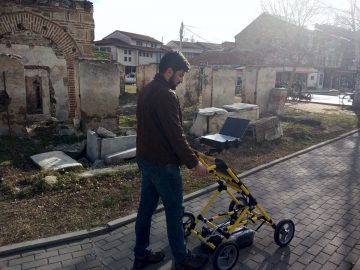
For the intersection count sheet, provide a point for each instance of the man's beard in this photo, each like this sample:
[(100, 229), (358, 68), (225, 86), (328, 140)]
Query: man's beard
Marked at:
[(172, 83)]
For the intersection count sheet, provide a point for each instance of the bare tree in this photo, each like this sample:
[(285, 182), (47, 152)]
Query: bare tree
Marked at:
[(296, 45), (350, 19)]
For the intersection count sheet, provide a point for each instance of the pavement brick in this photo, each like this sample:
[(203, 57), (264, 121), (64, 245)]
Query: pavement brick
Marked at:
[(297, 266), (72, 262), (46, 254), (336, 258), (329, 266), (16, 267), (313, 266), (70, 249), (88, 265), (60, 258), (22, 260), (52, 266), (306, 258), (33, 264)]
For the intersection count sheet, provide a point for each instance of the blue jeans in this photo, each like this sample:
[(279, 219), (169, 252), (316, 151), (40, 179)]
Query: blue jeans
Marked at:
[(162, 181)]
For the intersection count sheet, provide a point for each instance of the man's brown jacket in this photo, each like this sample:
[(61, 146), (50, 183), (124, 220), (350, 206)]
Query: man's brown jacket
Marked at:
[(160, 137)]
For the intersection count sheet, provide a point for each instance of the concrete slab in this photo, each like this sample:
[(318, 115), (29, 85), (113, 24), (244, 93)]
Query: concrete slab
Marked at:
[(211, 111), (111, 146), (93, 145), (120, 156), (208, 120), (235, 107), (54, 160)]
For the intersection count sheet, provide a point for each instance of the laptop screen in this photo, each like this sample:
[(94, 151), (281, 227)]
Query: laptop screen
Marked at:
[(234, 127)]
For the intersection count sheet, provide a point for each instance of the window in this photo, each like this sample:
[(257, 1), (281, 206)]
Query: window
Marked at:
[(312, 77), (129, 59), (125, 59), (147, 54), (139, 53), (125, 51), (105, 49), (129, 51), (139, 43)]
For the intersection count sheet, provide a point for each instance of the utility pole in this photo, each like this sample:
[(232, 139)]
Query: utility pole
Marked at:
[(181, 35)]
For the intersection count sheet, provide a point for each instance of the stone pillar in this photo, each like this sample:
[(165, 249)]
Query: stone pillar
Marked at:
[(277, 100)]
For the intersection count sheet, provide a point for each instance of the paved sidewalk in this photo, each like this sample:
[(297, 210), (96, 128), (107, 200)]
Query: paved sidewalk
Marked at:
[(318, 190)]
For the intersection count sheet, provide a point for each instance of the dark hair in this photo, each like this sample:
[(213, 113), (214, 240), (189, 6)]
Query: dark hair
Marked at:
[(174, 60)]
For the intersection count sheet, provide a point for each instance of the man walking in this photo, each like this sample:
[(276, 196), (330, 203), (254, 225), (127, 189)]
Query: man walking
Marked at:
[(161, 148)]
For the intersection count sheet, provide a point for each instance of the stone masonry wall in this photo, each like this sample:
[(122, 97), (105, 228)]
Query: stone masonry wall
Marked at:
[(68, 25)]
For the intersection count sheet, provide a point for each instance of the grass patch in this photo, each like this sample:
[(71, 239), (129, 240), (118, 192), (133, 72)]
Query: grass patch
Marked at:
[(127, 121), (130, 88), (110, 201)]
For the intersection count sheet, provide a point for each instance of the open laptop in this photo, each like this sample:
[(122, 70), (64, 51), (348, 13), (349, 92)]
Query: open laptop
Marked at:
[(230, 134)]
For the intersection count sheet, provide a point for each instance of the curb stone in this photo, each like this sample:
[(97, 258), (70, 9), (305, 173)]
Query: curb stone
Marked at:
[(78, 235)]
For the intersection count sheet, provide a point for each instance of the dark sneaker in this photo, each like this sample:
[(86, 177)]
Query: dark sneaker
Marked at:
[(192, 262), (152, 257)]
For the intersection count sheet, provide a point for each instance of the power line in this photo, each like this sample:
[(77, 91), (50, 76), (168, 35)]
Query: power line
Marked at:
[(186, 27)]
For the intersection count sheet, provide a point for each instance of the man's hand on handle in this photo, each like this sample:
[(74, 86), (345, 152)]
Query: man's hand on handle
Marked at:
[(201, 169)]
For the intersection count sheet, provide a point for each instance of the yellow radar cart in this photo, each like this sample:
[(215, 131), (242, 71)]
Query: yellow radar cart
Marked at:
[(226, 232)]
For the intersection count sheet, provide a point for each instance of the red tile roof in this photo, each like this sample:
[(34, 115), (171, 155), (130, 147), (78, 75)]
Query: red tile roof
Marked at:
[(136, 36), (230, 58), (121, 44)]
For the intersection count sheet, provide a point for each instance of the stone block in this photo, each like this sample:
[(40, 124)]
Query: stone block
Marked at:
[(59, 16), (74, 17), (87, 18), (110, 146), (80, 34), (243, 110), (120, 156), (93, 145), (88, 50), (55, 160), (277, 100), (208, 120), (266, 129)]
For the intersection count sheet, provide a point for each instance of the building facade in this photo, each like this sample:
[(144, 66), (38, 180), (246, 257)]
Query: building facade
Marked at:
[(130, 49)]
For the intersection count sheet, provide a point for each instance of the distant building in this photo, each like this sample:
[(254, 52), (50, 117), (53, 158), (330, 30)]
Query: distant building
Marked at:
[(327, 51), (130, 49), (193, 49)]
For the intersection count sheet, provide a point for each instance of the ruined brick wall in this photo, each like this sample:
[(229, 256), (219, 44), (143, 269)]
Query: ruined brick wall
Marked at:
[(65, 26)]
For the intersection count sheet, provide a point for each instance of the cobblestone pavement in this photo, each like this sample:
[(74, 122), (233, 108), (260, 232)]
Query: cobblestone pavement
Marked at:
[(318, 190)]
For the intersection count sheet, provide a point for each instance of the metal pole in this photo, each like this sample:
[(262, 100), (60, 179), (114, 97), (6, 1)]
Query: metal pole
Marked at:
[(181, 35)]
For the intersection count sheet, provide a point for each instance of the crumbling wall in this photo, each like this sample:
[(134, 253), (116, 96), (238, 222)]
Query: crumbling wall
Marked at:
[(43, 62), (219, 87), (145, 74), (189, 90), (99, 90), (258, 82), (122, 78), (13, 100), (67, 27)]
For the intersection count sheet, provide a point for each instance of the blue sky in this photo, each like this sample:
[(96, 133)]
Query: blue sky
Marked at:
[(212, 21)]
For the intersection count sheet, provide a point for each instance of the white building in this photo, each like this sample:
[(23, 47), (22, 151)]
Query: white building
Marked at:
[(130, 49)]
